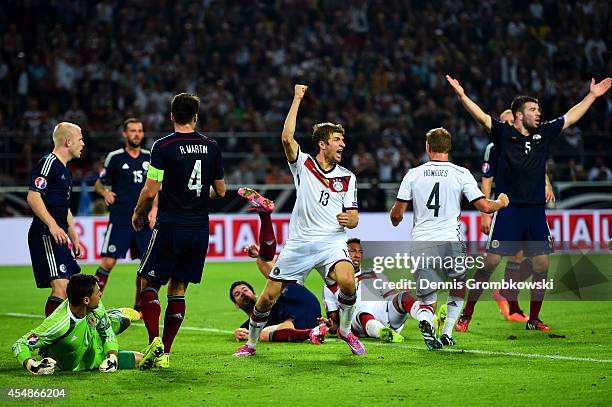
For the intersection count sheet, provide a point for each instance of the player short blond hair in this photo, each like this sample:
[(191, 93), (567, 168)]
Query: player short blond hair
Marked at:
[(439, 140), (64, 131)]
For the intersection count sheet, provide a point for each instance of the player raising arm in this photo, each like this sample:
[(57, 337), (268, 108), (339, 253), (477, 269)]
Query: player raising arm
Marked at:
[(522, 149), (571, 117), (326, 204)]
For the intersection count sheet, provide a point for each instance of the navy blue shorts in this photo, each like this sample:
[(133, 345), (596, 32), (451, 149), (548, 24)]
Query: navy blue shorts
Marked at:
[(175, 254), (50, 261), (119, 238), (299, 303), (517, 228)]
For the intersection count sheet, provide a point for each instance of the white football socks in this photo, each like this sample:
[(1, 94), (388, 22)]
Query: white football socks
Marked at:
[(346, 312), (454, 305), (373, 327), (425, 313)]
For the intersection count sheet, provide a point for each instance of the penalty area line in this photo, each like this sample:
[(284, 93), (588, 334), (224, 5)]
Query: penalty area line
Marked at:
[(471, 351)]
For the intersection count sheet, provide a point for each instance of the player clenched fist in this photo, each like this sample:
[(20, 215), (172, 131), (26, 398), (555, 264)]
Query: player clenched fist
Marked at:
[(299, 91), (503, 199)]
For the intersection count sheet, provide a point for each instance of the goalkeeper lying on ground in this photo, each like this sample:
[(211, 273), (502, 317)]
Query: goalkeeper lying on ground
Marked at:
[(80, 335)]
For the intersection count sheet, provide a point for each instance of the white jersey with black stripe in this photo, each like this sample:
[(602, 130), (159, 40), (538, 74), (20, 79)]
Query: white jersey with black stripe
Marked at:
[(435, 189), (321, 195)]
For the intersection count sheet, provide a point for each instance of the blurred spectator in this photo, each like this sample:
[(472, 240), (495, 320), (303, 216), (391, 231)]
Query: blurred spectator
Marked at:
[(388, 158), (576, 171), (278, 176), (363, 163), (241, 175), (374, 199), (600, 172), (258, 163)]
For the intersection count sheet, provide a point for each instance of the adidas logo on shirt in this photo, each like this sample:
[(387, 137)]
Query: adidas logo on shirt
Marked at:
[(125, 167)]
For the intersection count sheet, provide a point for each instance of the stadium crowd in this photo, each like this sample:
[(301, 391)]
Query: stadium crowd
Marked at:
[(377, 67)]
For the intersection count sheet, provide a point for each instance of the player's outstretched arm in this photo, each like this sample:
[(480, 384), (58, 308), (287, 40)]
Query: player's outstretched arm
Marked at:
[(145, 202), (291, 146), (489, 206), (38, 207), (596, 90), (397, 212), (472, 108)]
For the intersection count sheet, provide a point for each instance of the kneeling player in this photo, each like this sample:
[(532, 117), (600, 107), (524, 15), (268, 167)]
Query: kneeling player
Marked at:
[(80, 335)]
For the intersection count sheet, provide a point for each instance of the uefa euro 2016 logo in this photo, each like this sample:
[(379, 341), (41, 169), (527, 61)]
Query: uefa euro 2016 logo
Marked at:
[(41, 182)]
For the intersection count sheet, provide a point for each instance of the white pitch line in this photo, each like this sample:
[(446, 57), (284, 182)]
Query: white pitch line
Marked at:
[(472, 351)]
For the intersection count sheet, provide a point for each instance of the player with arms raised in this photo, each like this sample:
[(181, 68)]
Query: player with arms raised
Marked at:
[(326, 204), (190, 167), (435, 189), (522, 150)]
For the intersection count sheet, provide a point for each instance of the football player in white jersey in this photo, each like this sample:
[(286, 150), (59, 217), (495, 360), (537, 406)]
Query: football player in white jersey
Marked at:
[(434, 189), (380, 313), (326, 204)]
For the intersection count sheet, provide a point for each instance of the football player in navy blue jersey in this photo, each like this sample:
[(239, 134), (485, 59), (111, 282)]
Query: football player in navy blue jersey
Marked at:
[(124, 172), (190, 167), (517, 267), (53, 224), (522, 150)]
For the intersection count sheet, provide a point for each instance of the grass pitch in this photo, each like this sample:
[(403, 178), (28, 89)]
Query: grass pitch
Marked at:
[(495, 362)]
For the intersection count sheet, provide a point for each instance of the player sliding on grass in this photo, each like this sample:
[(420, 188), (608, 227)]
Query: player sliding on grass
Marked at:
[(434, 189), (326, 204), (379, 314), (295, 316), (80, 335), (523, 150)]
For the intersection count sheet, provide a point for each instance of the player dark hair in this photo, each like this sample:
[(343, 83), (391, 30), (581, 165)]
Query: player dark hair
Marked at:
[(184, 107), (322, 132), (128, 121), (236, 284), (353, 240), (79, 287), (439, 140), (518, 103)]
